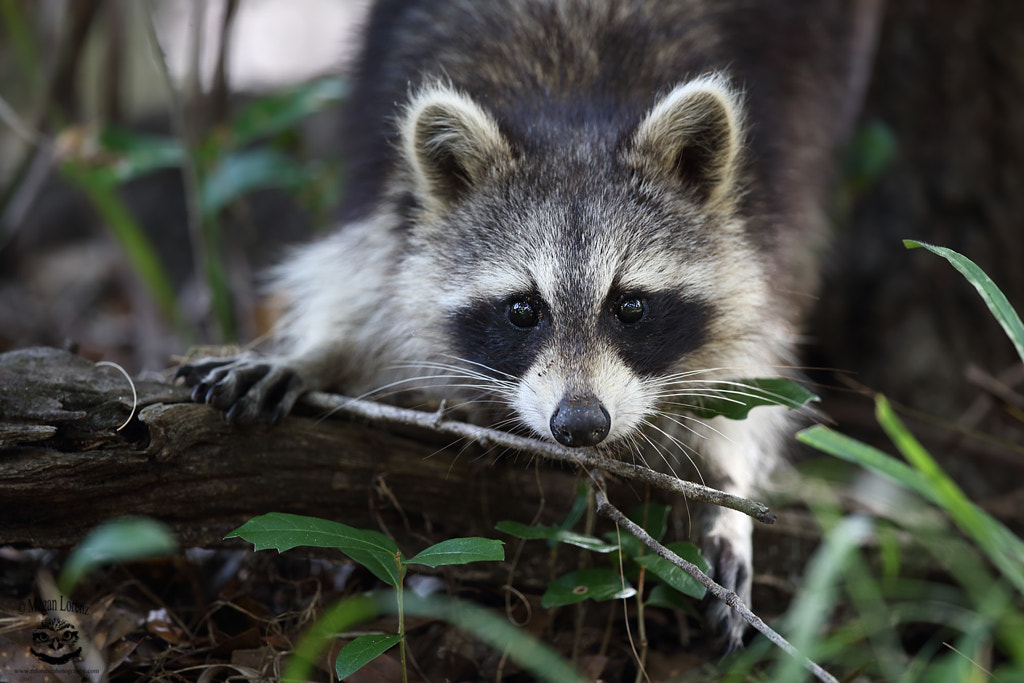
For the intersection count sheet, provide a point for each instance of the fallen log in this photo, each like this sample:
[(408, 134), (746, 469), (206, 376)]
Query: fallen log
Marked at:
[(73, 454)]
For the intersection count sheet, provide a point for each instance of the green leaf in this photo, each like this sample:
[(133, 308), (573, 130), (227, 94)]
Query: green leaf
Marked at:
[(586, 584), (579, 506), (808, 615), (530, 653), (656, 526), (281, 531), (541, 532), (652, 518), (869, 153), (665, 596), (281, 111), (990, 293), (460, 551), (363, 650), (96, 184), (675, 576), (630, 545), (341, 617), (139, 154), (527, 651), (119, 540), (1003, 548), (735, 399), (248, 170)]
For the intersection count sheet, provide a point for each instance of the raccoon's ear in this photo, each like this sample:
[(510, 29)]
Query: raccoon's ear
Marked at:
[(692, 136), (450, 144)]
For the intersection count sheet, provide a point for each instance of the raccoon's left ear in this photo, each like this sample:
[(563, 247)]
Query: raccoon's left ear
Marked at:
[(692, 136), (450, 144)]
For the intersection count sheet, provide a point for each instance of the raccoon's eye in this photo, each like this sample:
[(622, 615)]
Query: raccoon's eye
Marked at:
[(523, 313), (630, 310)]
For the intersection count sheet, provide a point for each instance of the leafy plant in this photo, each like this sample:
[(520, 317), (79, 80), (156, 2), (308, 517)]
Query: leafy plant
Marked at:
[(373, 550), (976, 616), (383, 558), (624, 549), (119, 540), (231, 161)]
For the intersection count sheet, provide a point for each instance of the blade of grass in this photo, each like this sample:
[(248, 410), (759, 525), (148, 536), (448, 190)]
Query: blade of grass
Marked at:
[(1004, 549), (533, 655), (819, 594), (133, 240), (990, 293)]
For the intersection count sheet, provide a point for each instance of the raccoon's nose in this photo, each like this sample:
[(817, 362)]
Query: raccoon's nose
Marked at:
[(580, 422)]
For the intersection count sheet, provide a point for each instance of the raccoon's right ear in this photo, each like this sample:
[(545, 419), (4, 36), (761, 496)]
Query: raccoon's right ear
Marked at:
[(693, 136), (450, 145)]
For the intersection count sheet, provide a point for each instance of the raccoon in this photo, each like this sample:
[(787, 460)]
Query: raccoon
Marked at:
[(575, 216)]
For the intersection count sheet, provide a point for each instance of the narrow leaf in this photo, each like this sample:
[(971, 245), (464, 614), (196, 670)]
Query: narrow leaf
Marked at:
[(586, 584), (652, 518), (528, 652), (460, 551), (98, 186), (579, 505), (363, 650), (119, 540), (139, 154), (281, 531), (246, 171), (819, 594), (735, 400), (664, 596), (1003, 548), (282, 111), (990, 293), (541, 532)]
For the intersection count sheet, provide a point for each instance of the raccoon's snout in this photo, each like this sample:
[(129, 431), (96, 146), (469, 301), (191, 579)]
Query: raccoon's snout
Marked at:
[(580, 422)]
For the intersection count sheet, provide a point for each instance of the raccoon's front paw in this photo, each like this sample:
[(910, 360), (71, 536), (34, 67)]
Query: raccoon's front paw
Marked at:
[(249, 388), (732, 569)]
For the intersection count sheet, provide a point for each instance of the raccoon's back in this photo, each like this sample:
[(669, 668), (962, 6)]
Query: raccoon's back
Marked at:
[(542, 66)]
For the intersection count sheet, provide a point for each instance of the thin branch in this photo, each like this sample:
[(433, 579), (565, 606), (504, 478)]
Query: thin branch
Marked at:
[(219, 93), (380, 412), (59, 100), (730, 598)]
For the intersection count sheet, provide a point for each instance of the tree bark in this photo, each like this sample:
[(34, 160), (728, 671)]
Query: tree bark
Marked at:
[(65, 466)]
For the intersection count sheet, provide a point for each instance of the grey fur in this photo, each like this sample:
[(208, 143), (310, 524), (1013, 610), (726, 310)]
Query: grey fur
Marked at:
[(560, 157)]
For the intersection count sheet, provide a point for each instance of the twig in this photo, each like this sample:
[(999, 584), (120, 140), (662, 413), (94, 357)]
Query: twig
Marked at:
[(186, 119), (180, 123), (996, 386), (380, 412), (219, 88), (730, 598), (60, 101)]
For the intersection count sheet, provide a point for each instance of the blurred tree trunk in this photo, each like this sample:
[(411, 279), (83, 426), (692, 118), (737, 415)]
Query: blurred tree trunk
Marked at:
[(948, 83)]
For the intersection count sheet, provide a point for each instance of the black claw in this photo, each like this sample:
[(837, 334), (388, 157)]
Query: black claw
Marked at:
[(277, 415), (247, 391)]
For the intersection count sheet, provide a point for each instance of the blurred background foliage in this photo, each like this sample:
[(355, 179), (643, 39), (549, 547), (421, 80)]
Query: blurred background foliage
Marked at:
[(157, 151)]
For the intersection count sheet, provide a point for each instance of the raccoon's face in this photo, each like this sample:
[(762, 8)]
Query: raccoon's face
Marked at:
[(585, 284)]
